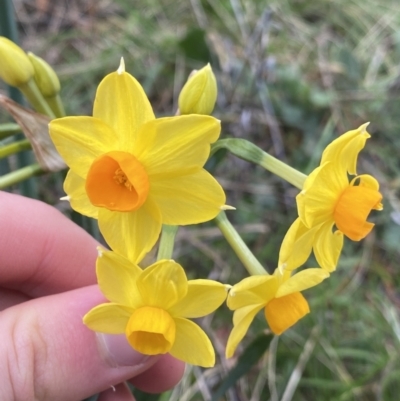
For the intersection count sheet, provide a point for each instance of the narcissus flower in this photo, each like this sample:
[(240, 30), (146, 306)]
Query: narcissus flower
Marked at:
[(278, 294), (134, 172), (330, 206), (153, 307)]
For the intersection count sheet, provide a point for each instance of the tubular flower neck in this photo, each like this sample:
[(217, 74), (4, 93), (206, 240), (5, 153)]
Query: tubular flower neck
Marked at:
[(151, 330), (352, 210), (282, 313), (117, 181)]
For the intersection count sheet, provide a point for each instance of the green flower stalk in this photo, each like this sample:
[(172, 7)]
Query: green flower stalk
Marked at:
[(253, 154), (167, 241), (199, 94), (9, 129), (17, 70), (250, 262), (14, 147), (20, 175), (48, 83)]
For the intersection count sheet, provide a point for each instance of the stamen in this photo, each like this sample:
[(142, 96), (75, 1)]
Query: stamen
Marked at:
[(122, 179), (117, 181)]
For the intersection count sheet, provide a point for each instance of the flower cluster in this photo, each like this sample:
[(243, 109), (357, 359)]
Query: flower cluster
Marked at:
[(142, 176), (329, 207), (135, 173)]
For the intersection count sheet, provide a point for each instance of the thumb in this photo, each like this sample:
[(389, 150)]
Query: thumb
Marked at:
[(46, 352)]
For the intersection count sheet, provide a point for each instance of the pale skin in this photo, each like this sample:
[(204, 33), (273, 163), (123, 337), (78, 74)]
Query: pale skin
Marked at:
[(47, 283)]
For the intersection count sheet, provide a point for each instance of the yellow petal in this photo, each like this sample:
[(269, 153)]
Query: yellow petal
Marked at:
[(190, 199), (151, 331), (162, 284), (366, 180), (74, 187), (302, 281), (282, 313), (328, 246), (108, 318), (131, 234), (344, 150), (242, 320), (296, 246), (251, 291), (79, 140), (203, 297), (176, 145), (322, 188), (192, 345), (116, 277), (123, 105)]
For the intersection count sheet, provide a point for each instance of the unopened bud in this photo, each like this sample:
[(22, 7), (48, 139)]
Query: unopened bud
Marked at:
[(45, 77), (199, 94), (15, 67)]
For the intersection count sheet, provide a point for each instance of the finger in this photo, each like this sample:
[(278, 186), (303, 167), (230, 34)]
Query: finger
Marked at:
[(46, 352), (154, 379), (117, 393), (10, 298), (42, 252)]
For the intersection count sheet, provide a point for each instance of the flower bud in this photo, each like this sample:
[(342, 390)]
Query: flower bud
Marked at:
[(15, 67), (45, 77), (199, 94)]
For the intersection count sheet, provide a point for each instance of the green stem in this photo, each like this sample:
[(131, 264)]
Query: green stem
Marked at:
[(290, 174), (167, 242), (35, 98), (242, 251), (9, 129), (8, 28), (56, 105), (252, 153), (14, 147), (20, 175)]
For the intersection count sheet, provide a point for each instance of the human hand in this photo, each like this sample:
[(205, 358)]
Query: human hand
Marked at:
[(47, 284)]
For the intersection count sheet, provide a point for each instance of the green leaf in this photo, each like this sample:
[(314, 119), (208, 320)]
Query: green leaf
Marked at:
[(195, 47), (251, 355)]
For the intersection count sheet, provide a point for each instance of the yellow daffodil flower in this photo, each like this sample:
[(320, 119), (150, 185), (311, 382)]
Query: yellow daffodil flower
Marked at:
[(134, 172), (278, 294), (153, 306), (330, 206)]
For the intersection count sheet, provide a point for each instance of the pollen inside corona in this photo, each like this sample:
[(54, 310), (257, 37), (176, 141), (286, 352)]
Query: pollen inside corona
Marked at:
[(117, 181)]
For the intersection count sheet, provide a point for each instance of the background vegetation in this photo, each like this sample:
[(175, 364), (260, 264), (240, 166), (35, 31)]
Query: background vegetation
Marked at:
[(292, 75)]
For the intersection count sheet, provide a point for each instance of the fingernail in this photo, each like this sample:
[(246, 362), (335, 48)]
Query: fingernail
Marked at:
[(116, 351)]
